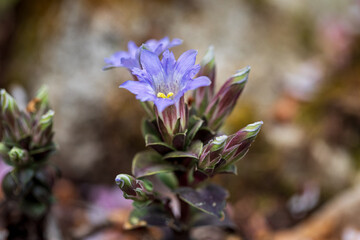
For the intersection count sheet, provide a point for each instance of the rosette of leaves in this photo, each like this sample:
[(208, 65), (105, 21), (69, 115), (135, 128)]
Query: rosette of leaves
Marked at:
[(169, 184), (26, 144)]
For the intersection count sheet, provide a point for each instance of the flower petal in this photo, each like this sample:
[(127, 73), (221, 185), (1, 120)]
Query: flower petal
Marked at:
[(185, 62), (115, 60), (168, 62), (175, 42), (142, 90), (162, 103), (132, 47), (196, 83), (152, 64)]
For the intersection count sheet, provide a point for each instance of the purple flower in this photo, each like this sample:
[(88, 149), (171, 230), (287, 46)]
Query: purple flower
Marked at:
[(165, 82), (131, 58)]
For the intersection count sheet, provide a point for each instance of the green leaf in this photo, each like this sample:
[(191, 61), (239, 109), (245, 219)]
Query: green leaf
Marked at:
[(34, 209), (156, 144), (10, 185), (178, 154), (200, 218), (232, 169), (149, 163), (209, 199), (26, 175), (196, 148), (168, 179), (149, 127), (195, 124), (41, 194), (151, 215)]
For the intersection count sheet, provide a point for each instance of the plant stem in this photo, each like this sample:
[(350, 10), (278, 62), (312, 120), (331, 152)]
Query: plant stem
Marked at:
[(184, 234)]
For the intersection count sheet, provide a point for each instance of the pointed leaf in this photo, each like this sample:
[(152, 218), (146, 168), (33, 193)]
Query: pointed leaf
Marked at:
[(149, 127), (156, 144), (149, 163), (152, 215), (178, 154)]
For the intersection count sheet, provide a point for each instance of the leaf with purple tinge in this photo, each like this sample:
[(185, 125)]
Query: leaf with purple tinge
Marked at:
[(210, 199), (202, 219), (152, 215), (149, 163), (179, 141)]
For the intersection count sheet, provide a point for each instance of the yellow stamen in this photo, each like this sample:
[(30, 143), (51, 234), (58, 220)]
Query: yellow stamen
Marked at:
[(162, 95)]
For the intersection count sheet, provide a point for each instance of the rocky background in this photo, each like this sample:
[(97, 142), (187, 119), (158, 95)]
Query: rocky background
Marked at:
[(304, 84)]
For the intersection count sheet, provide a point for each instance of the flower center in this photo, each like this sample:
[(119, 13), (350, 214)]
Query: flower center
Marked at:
[(162, 95)]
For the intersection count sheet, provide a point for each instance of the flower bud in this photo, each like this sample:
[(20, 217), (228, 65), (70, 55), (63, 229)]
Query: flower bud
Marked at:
[(46, 120), (239, 143), (17, 155), (211, 154), (225, 100), (226, 150), (134, 189), (203, 95), (9, 112)]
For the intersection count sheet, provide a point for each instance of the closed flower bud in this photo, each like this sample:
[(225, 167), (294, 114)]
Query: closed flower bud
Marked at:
[(46, 120), (18, 155), (226, 150), (134, 189), (211, 154), (9, 112), (225, 100), (203, 95)]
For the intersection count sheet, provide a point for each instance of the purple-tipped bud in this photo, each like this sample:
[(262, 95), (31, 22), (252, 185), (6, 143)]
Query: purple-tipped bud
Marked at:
[(211, 153), (225, 100), (203, 95), (239, 143), (134, 189), (226, 150)]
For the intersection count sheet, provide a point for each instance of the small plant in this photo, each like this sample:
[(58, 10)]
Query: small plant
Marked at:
[(26, 144), (169, 184)]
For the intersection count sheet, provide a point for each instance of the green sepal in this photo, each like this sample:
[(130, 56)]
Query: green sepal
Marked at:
[(231, 169), (195, 124)]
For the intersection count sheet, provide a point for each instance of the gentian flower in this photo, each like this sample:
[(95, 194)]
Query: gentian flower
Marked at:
[(130, 59), (165, 82)]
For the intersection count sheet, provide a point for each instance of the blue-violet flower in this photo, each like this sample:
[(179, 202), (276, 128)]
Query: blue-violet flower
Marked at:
[(165, 82), (131, 59)]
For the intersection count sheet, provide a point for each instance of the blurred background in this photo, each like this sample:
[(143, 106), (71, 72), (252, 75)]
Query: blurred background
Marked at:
[(300, 179)]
